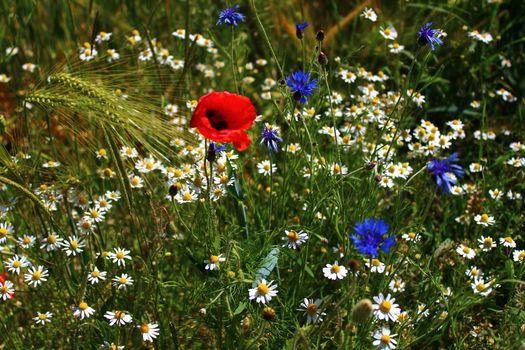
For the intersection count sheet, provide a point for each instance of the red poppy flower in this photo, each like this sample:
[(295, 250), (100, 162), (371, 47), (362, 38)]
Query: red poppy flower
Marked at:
[(224, 117)]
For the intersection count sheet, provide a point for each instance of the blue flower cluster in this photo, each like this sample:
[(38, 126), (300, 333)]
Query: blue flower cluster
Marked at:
[(370, 236), (301, 85), (445, 172), (271, 139), (230, 16), (427, 35)]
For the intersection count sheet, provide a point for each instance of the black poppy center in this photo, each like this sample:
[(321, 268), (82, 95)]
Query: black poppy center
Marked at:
[(216, 120)]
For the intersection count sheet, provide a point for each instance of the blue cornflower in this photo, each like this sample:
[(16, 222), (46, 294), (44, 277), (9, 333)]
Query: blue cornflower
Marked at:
[(300, 85), (299, 28), (270, 138), (371, 236), (445, 172), (212, 151), (230, 16), (427, 35)]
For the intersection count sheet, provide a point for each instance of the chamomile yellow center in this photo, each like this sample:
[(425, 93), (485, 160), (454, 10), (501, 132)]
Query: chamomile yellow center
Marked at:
[(214, 259), (293, 236), (262, 289), (481, 287), (311, 309), (385, 306), (335, 268)]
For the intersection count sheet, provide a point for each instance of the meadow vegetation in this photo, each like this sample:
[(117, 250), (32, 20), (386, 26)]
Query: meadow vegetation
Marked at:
[(195, 174)]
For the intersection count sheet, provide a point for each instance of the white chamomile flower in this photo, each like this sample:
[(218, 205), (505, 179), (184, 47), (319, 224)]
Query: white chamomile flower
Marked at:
[(518, 255), (103, 36), (385, 308), (120, 318), (119, 256), (51, 242), (36, 275), (7, 290), (389, 33), (411, 237), (312, 310), (376, 266), (263, 291), (369, 14), (507, 242), (481, 287), (122, 281), (136, 181), (266, 168), (335, 271), (486, 243), (26, 241), (6, 229), (83, 310), (466, 252), (484, 220), (16, 263), (397, 285), (384, 339), (149, 331), (96, 275), (43, 318), (128, 152), (73, 246), (294, 239), (213, 262)]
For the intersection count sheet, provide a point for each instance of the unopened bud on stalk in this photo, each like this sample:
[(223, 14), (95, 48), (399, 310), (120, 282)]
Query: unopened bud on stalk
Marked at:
[(320, 35), (322, 59), (362, 311)]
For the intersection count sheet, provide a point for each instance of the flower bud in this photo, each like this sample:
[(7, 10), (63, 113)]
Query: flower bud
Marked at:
[(269, 314), (322, 59), (320, 35), (362, 311)]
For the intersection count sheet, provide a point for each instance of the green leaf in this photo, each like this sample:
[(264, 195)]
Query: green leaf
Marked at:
[(240, 308), (309, 271), (268, 264)]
